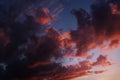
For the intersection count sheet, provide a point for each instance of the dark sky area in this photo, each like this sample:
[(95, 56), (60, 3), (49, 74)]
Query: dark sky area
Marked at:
[(67, 20)]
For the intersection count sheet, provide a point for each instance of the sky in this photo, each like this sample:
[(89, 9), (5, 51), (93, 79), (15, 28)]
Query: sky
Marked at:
[(67, 20), (59, 39)]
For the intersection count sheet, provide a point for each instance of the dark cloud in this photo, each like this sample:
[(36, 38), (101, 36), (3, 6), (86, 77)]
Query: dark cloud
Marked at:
[(83, 18), (27, 47), (105, 22), (94, 30), (102, 61)]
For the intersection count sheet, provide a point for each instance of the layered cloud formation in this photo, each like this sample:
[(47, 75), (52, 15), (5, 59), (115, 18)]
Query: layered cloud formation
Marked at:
[(31, 49)]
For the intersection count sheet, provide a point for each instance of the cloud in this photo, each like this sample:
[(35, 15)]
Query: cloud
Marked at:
[(99, 72), (114, 9), (44, 16), (102, 61), (39, 43)]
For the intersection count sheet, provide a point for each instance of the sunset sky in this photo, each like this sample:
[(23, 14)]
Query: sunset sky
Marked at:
[(59, 39)]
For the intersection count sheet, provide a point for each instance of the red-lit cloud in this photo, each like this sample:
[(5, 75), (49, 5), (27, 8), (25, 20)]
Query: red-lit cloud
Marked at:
[(44, 16), (48, 52), (102, 61)]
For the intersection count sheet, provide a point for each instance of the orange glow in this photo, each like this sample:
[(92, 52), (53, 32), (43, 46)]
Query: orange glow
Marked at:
[(91, 45), (44, 17), (44, 20)]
